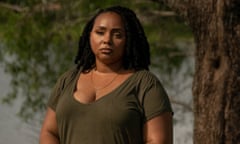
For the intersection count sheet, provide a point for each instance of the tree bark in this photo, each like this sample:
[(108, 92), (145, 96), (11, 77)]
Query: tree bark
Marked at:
[(216, 87)]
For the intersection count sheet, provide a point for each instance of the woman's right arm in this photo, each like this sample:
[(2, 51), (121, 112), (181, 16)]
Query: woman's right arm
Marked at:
[(49, 131)]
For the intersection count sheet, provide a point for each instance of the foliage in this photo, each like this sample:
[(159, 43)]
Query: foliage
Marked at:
[(39, 40)]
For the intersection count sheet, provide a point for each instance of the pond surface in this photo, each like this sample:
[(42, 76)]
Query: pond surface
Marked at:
[(12, 129)]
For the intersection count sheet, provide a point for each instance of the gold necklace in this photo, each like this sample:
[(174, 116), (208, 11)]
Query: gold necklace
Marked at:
[(109, 83)]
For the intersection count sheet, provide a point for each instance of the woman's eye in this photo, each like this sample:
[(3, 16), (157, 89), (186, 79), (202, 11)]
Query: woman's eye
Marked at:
[(118, 35), (99, 32)]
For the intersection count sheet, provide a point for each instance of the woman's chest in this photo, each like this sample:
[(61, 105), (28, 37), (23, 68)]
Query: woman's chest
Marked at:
[(89, 89), (118, 109)]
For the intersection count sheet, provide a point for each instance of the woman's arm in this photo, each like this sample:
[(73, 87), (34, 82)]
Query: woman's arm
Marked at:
[(49, 131), (159, 130)]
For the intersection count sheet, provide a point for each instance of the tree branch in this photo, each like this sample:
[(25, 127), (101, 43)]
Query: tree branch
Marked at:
[(15, 8), (164, 13), (180, 6), (36, 8)]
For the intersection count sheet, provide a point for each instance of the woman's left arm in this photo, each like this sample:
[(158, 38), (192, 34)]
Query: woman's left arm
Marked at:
[(159, 130)]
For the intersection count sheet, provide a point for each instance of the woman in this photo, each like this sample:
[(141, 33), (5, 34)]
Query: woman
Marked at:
[(110, 97)]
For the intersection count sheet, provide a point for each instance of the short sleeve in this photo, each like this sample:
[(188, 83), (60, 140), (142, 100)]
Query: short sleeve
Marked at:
[(59, 87), (56, 91), (155, 99)]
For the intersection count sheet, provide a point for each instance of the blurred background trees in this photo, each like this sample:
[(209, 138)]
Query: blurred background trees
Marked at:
[(39, 40)]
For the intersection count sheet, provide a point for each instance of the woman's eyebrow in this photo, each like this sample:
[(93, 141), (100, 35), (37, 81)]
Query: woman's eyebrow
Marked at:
[(118, 30), (101, 27), (114, 29)]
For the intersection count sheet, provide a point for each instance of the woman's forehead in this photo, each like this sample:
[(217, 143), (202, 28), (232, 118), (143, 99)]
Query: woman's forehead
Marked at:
[(109, 19)]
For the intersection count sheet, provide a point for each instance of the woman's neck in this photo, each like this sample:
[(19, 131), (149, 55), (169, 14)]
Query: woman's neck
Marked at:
[(110, 68)]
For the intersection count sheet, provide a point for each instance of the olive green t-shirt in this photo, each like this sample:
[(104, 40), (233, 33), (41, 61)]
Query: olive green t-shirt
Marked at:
[(116, 118)]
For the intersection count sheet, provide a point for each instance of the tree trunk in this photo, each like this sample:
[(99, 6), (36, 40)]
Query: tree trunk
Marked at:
[(216, 87)]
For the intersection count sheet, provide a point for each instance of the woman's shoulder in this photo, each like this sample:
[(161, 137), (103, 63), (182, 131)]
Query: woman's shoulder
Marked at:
[(146, 75), (69, 74)]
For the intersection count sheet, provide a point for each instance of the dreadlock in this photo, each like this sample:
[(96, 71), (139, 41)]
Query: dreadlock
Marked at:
[(136, 55)]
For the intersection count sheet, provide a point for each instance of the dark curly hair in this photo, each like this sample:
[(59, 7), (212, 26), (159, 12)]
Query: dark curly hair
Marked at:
[(137, 53)]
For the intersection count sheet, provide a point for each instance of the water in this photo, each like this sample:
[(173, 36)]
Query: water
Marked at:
[(12, 129)]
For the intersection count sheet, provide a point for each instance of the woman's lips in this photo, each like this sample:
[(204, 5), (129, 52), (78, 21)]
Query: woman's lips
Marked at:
[(106, 50)]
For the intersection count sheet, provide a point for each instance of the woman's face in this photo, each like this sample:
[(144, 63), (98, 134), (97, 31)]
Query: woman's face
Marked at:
[(108, 38)]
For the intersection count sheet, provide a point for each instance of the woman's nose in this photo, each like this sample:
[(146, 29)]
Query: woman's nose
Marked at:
[(107, 39)]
